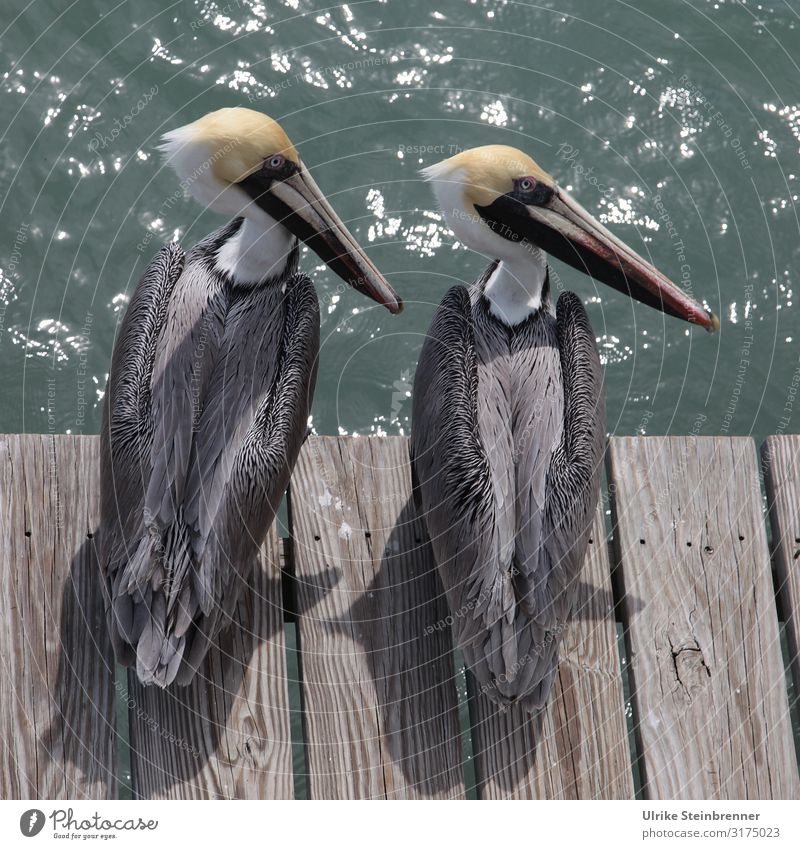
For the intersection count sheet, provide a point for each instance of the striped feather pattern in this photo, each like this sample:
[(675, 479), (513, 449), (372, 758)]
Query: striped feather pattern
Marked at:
[(205, 412), (507, 444)]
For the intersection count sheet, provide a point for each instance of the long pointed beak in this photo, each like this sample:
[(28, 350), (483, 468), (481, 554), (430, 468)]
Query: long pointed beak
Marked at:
[(300, 206), (564, 229)]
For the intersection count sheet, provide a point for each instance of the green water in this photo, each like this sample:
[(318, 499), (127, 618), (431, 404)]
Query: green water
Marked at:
[(693, 103)]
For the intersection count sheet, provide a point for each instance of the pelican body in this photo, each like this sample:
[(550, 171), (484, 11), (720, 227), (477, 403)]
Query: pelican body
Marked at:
[(210, 389), (508, 426)]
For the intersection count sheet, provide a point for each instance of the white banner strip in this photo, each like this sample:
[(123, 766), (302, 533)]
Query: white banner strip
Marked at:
[(617, 825)]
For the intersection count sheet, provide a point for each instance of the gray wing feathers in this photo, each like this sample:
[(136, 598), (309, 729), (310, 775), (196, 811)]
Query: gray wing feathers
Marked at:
[(455, 478), (191, 336), (574, 476), (246, 368), (125, 439), (205, 411), (234, 511), (547, 593), (488, 410)]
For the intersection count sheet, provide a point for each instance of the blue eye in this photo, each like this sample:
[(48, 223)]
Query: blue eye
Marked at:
[(526, 184), (277, 161)]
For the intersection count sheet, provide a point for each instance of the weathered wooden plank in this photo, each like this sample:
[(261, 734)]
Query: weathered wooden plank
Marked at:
[(380, 708), (780, 458), (706, 666), (577, 748), (57, 733), (226, 735)]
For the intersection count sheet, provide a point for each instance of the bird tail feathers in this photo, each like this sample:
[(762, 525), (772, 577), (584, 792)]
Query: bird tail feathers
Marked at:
[(154, 604)]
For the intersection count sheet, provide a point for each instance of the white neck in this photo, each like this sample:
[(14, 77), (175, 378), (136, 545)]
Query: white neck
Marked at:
[(259, 250), (514, 290)]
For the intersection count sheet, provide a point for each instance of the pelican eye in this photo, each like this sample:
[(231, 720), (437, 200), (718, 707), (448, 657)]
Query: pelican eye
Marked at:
[(529, 190), (278, 167)]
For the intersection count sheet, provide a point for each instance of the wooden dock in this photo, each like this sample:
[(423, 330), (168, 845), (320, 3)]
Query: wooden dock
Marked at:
[(369, 701)]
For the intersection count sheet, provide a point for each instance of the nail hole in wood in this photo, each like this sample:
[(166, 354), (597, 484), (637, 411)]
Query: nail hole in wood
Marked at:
[(367, 534), (741, 538), (316, 538), (27, 533), (709, 549), (641, 542), (688, 545)]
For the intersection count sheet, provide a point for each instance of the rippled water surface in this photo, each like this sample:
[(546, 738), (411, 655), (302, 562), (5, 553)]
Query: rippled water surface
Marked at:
[(677, 123)]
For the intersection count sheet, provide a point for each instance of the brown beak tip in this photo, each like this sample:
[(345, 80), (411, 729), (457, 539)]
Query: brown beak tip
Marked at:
[(396, 308), (714, 324)]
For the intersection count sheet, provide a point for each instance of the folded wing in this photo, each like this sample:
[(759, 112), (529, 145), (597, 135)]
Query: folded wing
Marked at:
[(206, 410), (510, 590)]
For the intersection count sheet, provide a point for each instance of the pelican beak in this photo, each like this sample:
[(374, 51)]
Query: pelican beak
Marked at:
[(561, 227), (298, 204)]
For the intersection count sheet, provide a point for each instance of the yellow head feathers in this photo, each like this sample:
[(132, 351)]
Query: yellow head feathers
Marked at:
[(230, 143), (487, 172)]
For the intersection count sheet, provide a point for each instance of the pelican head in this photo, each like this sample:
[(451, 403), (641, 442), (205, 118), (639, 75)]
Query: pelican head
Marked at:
[(498, 201), (241, 162)]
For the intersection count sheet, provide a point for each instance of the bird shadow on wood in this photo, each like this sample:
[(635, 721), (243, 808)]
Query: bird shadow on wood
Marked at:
[(508, 740), (399, 620), (406, 639), (191, 722), (82, 729), (194, 721)]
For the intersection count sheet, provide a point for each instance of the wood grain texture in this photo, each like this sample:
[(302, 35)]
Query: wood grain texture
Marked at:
[(706, 663), (379, 699), (780, 458), (57, 733), (577, 748), (226, 735)]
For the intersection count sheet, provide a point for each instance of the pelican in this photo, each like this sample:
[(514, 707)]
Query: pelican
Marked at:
[(508, 425), (209, 391)]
